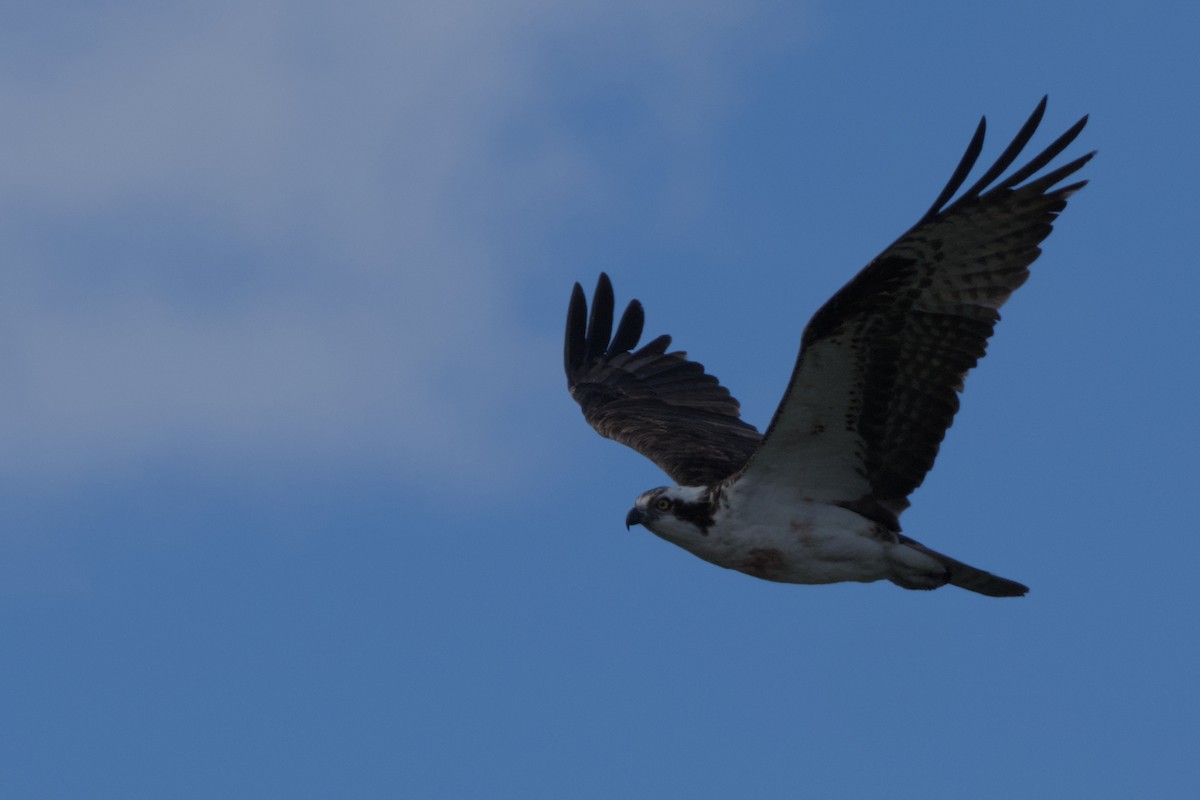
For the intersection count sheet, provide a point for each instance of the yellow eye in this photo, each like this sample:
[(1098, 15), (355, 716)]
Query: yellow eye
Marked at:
[(662, 504)]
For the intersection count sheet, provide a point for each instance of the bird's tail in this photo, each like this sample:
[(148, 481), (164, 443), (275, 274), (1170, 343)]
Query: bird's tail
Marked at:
[(971, 578)]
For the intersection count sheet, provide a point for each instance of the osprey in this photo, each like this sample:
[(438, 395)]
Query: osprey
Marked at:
[(817, 498)]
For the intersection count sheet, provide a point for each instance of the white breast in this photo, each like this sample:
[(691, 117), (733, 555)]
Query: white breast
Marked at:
[(782, 536)]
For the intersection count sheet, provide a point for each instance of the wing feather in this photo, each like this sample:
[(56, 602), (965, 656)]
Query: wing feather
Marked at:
[(881, 364), (661, 404)]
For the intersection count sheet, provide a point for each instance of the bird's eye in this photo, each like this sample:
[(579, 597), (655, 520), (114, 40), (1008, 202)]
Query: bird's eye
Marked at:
[(663, 504)]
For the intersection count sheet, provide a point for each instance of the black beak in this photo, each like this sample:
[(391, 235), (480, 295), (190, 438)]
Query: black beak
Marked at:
[(634, 517)]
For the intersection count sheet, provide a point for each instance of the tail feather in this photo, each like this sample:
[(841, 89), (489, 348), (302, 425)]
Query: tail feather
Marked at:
[(972, 578)]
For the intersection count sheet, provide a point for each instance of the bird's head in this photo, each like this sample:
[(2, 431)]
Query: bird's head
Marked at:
[(676, 513)]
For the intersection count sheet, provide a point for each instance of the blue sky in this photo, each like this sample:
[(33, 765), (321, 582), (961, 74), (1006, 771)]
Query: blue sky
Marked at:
[(295, 504)]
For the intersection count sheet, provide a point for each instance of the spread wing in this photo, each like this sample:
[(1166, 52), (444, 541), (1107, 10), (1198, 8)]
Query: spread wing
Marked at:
[(660, 404), (881, 364)]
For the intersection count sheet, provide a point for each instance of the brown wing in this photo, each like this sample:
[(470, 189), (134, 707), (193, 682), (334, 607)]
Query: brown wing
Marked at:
[(660, 404), (881, 364)]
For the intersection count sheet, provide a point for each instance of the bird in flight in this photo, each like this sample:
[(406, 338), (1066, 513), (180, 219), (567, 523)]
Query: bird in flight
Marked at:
[(817, 498)]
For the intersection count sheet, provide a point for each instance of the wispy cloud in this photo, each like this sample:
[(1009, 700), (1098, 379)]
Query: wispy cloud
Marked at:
[(257, 231)]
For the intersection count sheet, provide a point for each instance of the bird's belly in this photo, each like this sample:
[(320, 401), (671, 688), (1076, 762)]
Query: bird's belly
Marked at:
[(809, 543)]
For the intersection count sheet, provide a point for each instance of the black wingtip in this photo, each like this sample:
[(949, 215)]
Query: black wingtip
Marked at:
[(575, 339), (1048, 180), (961, 171), (1043, 158), (629, 329), (599, 328), (1010, 154), (588, 335)]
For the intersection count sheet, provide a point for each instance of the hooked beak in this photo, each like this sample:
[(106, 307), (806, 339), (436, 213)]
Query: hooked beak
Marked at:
[(634, 517)]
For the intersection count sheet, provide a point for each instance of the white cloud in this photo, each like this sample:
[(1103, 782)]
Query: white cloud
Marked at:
[(257, 231)]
